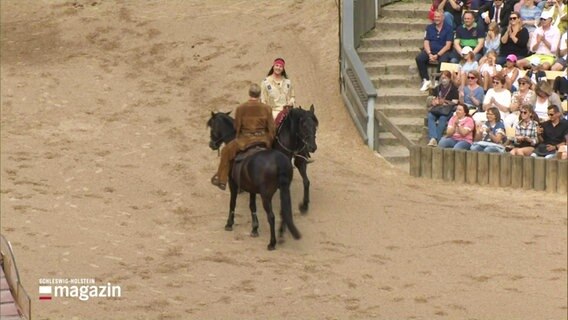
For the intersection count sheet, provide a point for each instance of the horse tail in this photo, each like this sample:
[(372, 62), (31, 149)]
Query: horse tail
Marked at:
[(284, 180)]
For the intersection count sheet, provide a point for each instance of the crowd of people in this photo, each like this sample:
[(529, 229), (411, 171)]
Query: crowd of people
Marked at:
[(500, 98)]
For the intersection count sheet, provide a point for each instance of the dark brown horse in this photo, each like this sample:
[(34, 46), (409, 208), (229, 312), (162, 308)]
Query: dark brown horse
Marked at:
[(262, 173)]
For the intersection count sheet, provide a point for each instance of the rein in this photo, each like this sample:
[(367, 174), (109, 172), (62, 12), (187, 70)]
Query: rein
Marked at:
[(294, 153)]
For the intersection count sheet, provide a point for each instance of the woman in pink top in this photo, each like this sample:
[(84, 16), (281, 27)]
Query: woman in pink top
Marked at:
[(461, 130)]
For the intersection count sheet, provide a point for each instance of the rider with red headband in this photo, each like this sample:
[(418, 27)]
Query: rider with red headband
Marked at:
[(276, 89)]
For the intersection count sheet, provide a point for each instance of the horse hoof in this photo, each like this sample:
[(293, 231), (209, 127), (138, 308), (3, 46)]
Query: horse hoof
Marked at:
[(254, 234), (303, 208), (228, 228), (271, 247)]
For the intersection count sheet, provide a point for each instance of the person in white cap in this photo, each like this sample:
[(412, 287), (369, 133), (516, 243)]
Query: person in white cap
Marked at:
[(544, 43)]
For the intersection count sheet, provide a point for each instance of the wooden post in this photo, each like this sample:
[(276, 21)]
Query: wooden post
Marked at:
[(562, 182), (528, 173), (438, 163), (426, 163), (449, 164), (494, 169), (482, 168), (505, 180), (415, 160), (539, 174), (517, 171), (459, 165), (471, 167), (551, 175)]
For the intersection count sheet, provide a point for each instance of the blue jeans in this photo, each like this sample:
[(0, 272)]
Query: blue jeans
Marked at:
[(435, 130), (454, 144), (449, 20), (490, 149)]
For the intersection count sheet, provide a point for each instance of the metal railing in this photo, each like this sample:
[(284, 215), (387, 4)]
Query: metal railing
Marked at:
[(21, 297), (358, 92)]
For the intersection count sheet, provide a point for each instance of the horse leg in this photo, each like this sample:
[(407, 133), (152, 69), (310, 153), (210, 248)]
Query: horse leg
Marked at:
[(267, 204), (281, 231), (252, 206), (303, 168), (232, 205)]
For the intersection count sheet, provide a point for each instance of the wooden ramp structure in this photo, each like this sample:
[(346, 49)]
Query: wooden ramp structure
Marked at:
[(15, 303)]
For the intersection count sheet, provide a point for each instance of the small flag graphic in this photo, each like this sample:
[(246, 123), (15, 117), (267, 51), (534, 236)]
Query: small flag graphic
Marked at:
[(44, 292)]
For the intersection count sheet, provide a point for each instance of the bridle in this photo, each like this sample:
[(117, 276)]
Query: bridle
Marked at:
[(294, 153)]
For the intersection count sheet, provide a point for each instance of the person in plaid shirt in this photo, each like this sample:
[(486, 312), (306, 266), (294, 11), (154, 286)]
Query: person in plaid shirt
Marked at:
[(525, 132)]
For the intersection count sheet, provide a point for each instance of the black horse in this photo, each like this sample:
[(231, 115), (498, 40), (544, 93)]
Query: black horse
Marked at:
[(296, 137), (264, 172)]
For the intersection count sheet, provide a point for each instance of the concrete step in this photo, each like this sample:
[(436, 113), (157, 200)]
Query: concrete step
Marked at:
[(394, 67), (402, 110), (395, 154), (369, 54), (394, 40), (387, 138), (401, 96), (415, 10), (400, 25), (395, 81), (407, 125)]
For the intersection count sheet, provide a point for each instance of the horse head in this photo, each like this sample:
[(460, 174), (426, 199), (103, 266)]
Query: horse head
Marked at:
[(307, 127), (221, 129)]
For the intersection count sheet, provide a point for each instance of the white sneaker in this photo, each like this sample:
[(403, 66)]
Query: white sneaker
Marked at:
[(433, 143), (425, 85)]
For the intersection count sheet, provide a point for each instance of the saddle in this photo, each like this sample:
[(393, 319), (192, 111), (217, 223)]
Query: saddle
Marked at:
[(244, 154)]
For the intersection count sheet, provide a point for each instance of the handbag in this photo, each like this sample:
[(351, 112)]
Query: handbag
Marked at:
[(443, 110), (431, 12)]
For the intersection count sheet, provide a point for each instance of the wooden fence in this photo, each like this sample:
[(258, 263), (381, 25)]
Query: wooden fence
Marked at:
[(493, 169)]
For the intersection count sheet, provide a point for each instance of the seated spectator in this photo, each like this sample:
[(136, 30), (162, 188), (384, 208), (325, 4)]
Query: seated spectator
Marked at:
[(459, 135), (490, 136), (514, 40), (497, 11), (437, 47), (452, 9), (511, 73), (497, 97), (467, 64), (556, 9), (445, 94), (525, 132), (530, 15), (560, 63), (471, 94), (560, 87), (544, 43), (448, 17), (521, 97), (489, 69), (492, 39), (551, 134), (544, 98), (468, 35)]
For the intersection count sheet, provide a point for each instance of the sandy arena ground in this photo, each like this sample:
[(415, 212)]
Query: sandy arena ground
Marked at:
[(105, 174)]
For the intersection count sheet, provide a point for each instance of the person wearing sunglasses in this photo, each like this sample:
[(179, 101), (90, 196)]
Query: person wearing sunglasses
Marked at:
[(525, 132), (544, 43), (514, 40), (525, 95), (472, 94), (551, 134), (497, 97)]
